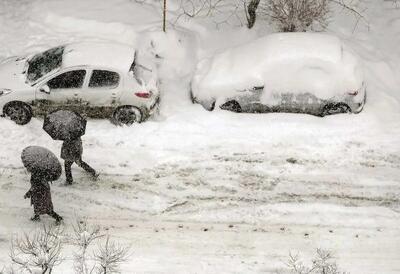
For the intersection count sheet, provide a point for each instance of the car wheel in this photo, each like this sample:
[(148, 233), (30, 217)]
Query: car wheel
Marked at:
[(127, 115), (232, 106), (335, 108), (20, 113)]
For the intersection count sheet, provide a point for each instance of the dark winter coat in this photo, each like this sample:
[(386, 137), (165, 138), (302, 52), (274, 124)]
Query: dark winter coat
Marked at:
[(40, 195), (71, 150)]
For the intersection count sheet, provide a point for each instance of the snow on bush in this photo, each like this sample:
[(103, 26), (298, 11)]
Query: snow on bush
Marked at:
[(41, 251), (106, 258), (282, 63), (322, 263), (38, 252), (296, 15)]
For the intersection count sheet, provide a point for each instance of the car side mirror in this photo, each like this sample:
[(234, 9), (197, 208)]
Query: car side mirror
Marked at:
[(45, 89)]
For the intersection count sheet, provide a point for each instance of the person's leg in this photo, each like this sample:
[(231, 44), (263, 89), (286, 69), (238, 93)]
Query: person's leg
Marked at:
[(86, 167), (35, 218), (68, 171), (57, 217)]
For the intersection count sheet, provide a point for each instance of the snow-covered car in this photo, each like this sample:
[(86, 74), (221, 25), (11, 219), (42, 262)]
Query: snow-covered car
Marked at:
[(101, 80), (285, 72)]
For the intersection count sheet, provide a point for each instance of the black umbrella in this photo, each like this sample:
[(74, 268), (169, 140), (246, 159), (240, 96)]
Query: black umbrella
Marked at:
[(64, 125), (41, 160)]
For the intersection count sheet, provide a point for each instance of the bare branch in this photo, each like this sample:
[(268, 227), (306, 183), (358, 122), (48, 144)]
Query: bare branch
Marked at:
[(83, 237), (109, 256), (296, 15), (358, 14), (322, 263), (38, 250), (224, 10)]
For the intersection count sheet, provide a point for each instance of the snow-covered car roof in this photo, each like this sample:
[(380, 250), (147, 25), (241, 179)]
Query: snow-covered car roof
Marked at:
[(283, 62), (110, 55)]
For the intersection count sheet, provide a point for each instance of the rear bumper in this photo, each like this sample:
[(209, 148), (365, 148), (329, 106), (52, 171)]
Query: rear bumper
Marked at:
[(152, 109)]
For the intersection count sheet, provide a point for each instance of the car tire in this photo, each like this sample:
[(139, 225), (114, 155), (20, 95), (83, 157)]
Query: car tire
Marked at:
[(127, 115), (335, 108), (232, 106), (18, 112)]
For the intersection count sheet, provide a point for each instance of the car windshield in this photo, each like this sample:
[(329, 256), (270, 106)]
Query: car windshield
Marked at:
[(43, 63)]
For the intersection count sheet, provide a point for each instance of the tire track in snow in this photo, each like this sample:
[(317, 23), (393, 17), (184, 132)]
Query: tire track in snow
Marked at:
[(215, 185), (242, 178)]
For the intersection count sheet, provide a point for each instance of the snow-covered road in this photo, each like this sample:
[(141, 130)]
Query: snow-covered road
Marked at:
[(232, 206), (217, 192)]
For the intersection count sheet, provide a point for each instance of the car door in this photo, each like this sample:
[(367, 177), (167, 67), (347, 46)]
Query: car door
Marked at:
[(99, 97), (62, 90)]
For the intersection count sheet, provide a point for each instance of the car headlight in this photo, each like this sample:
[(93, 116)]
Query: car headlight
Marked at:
[(5, 91)]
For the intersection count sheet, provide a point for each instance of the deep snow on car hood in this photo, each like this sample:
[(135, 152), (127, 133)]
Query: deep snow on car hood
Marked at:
[(283, 63), (11, 74)]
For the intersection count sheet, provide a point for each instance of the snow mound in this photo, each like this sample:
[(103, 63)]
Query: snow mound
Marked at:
[(282, 63), (114, 31)]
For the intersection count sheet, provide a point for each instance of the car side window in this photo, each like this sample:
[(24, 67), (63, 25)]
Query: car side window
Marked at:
[(66, 80), (104, 79)]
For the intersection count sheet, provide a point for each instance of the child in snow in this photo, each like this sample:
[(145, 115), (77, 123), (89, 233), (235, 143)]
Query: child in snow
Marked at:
[(40, 196), (71, 152)]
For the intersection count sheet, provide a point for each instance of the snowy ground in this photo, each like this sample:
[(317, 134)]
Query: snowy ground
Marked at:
[(201, 192)]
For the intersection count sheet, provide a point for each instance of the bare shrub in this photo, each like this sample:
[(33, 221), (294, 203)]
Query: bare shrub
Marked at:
[(37, 252), (322, 263), (40, 251), (200, 8), (299, 15), (93, 255), (296, 15), (221, 12), (84, 235), (109, 256)]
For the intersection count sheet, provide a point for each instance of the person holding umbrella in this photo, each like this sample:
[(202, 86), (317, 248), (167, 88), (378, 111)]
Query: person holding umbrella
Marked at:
[(71, 152), (68, 127), (44, 167)]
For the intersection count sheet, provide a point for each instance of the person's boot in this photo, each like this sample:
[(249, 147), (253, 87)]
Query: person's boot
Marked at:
[(96, 176), (35, 218), (57, 217), (59, 220), (69, 180), (88, 169)]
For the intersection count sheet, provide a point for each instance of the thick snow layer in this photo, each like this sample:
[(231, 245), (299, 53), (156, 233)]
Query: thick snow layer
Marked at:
[(104, 55), (283, 63), (199, 192)]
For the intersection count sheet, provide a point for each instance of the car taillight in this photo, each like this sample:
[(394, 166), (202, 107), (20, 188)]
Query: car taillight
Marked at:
[(353, 93), (143, 94)]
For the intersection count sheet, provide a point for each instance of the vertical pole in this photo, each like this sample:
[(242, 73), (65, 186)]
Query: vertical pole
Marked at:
[(165, 16)]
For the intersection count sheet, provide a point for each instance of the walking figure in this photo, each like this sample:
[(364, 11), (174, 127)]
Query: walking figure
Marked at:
[(44, 168), (40, 196), (68, 126), (71, 152)]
